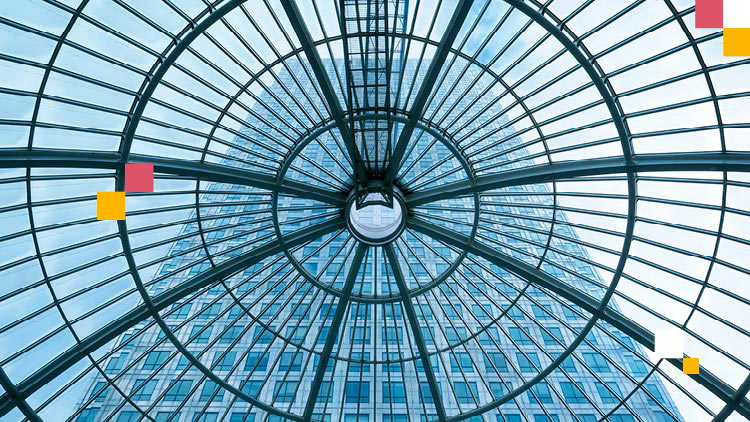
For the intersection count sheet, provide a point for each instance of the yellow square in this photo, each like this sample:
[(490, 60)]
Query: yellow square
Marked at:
[(690, 366), (110, 205), (737, 42)]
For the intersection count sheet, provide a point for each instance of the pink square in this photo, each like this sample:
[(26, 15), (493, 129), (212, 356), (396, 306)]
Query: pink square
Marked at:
[(709, 13), (139, 177)]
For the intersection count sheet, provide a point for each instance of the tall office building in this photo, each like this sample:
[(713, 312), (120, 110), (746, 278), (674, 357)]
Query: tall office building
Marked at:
[(487, 331)]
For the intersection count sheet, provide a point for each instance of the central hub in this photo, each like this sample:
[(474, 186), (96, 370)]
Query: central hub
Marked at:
[(377, 223)]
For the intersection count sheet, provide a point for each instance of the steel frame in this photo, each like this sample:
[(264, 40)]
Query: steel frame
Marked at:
[(629, 165)]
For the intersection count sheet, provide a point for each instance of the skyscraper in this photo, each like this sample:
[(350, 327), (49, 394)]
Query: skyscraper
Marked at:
[(263, 331)]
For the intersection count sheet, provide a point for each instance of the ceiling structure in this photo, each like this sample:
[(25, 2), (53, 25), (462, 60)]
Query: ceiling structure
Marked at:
[(631, 119)]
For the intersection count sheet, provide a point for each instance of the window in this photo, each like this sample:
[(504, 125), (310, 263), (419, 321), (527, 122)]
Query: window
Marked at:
[(596, 362), (296, 334), (454, 335), (549, 340), (224, 363), (391, 356), (329, 365), (525, 363), (630, 418), (520, 336), (542, 391), (164, 416), (395, 418), (95, 392), (202, 336), (392, 311), (242, 417), (498, 389), (489, 336), (205, 417), (323, 336), (284, 391), (392, 335), (508, 418), (428, 335), (325, 394), (636, 366), (115, 363), (464, 392), (426, 312), (542, 314), (252, 388), (572, 394), (290, 361), (654, 390), (360, 335), (263, 336), (182, 363), (231, 334), (497, 359), (212, 311), (544, 418), (128, 416), (453, 311), (88, 415), (608, 396), (209, 388), (393, 392), (433, 360), (425, 394), (154, 359), (482, 312), (568, 365), (359, 367), (357, 392), (569, 314), (256, 361), (144, 392), (461, 361)]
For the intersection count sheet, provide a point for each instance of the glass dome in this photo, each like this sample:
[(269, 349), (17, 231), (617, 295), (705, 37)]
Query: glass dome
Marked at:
[(569, 180)]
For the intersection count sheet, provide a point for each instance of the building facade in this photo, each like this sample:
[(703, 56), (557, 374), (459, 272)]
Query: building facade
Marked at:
[(486, 340)]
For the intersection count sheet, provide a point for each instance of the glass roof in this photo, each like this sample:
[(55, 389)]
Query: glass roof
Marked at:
[(574, 178)]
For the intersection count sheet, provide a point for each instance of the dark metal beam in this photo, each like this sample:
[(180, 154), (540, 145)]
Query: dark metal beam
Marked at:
[(588, 303), (110, 331), (428, 83), (593, 167), (205, 171), (321, 74), (333, 332), (416, 331), (734, 399), (534, 276)]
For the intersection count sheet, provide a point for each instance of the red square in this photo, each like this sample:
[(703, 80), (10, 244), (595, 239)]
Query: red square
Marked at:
[(139, 177)]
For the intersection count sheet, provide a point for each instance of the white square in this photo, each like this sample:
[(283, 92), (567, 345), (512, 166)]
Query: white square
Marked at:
[(670, 342), (736, 13)]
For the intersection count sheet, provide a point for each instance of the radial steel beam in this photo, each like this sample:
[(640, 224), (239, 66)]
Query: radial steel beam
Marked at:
[(580, 168), (534, 276), (333, 332), (416, 331), (734, 399), (321, 74), (110, 331), (205, 171), (585, 301), (428, 83), (12, 394)]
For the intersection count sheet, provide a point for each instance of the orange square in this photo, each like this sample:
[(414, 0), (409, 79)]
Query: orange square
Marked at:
[(690, 366), (737, 42), (110, 205)]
